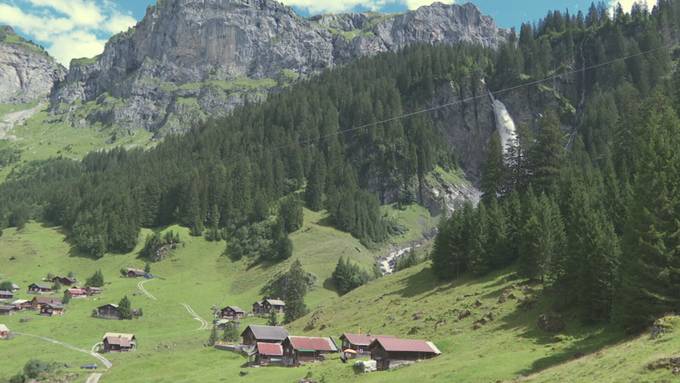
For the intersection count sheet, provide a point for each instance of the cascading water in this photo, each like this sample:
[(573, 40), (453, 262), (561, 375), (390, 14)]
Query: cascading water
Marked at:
[(504, 123)]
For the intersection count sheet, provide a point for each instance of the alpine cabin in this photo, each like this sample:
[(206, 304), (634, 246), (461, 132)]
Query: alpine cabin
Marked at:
[(393, 352), (265, 334), (115, 342), (299, 350)]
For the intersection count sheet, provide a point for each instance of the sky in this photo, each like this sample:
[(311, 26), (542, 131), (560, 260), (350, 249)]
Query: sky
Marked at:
[(79, 28)]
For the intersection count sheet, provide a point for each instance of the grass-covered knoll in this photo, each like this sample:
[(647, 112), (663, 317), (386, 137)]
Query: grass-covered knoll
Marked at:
[(8, 36), (197, 273)]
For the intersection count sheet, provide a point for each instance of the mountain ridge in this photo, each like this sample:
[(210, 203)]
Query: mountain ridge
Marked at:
[(188, 59)]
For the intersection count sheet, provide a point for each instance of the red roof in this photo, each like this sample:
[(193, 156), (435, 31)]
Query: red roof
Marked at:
[(361, 339), (312, 343), (406, 345), (76, 291), (269, 349)]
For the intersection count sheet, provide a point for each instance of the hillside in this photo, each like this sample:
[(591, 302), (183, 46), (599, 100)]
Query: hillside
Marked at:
[(197, 274), (410, 303)]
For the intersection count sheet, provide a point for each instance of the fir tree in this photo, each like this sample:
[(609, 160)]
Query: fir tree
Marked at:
[(124, 308), (493, 173), (294, 294)]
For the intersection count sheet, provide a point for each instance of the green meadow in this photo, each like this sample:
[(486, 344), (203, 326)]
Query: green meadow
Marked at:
[(411, 303)]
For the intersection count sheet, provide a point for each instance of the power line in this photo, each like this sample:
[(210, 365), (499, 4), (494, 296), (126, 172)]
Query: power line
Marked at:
[(464, 100)]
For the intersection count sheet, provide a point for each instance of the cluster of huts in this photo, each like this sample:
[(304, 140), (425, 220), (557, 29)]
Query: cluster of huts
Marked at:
[(48, 306), (260, 308), (272, 345)]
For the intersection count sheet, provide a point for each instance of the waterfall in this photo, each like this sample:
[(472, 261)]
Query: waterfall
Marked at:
[(504, 123)]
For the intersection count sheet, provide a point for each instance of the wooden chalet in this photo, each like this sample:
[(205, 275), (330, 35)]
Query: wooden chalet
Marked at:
[(4, 332), (65, 281), (266, 306), (93, 290), (299, 350), (115, 342), (39, 288), (52, 309), (358, 342), (108, 311), (393, 352), (265, 354), (232, 312), (4, 294), (265, 334), (6, 310), (76, 292), (134, 273), (22, 304), (38, 302)]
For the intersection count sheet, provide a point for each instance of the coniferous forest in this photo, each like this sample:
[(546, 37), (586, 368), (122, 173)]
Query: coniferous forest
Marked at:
[(586, 204), (590, 213)]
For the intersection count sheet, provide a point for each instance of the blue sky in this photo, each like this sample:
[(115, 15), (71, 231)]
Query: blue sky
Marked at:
[(79, 28)]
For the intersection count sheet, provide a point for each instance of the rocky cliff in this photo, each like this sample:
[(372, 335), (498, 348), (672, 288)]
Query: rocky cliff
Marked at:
[(27, 72), (191, 58)]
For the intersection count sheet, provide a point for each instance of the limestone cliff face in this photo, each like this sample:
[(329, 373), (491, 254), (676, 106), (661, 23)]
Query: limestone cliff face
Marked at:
[(27, 73), (216, 54)]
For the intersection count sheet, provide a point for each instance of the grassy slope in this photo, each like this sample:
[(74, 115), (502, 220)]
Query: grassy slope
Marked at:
[(41, 138), (197, 274), (411, 302)]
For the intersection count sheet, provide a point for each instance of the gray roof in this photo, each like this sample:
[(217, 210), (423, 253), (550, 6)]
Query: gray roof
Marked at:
[(5, 292), (234, 308), (41, 285), (267, 332), (276, 302)]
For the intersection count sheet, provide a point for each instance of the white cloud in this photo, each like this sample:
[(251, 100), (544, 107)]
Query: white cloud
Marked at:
[(628, 4), (415, 4), (68, 28)]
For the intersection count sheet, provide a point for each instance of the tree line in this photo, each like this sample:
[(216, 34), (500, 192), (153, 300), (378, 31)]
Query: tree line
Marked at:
[(590, 213)]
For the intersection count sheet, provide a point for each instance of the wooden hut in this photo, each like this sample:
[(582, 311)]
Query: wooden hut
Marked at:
[(266, 306), (108, 311), (4, 294), (299, 350), (22, 304), (358, 342), (134, 273), (265, 334), (115, 342), (38, 302), (6, 310), (232, 312), (39, 288), (52, 309), (392, 352), (268, 353), (75, 292)]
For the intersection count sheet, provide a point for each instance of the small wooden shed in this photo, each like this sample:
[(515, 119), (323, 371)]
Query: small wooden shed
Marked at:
[(6, 310), (232, 312), (116, 342), (392, 352), (108, 311), (268, 353), (299, 350), (52, 309), (39, 288), (4, 294), (253, 334)]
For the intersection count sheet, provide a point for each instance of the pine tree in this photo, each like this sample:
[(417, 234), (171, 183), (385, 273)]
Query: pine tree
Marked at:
[(479, 259), (295, 292), (316, 183), (650, 263), (66, 298), (96, 280), (124, 308), (273, 319), (546, 155)]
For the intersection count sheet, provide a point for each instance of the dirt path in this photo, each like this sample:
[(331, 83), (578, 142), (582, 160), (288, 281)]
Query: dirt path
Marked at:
[(93, 378), (10, 120), (107, 363), (144, 291), (204, 323)]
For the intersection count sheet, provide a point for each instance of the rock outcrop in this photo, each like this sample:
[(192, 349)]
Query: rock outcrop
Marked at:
[(205, 57), (27, 72)]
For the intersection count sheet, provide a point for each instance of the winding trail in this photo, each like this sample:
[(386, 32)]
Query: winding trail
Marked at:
[(144, 291), (10, 120), (94, 378), (107, 363), (204, 323)]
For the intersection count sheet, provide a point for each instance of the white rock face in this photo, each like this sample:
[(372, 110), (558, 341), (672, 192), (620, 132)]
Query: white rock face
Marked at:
[(505, 125), (26, 72)]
